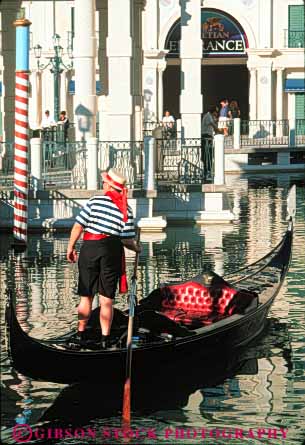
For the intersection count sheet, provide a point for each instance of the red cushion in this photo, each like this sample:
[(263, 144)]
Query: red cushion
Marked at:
[(191, 301)]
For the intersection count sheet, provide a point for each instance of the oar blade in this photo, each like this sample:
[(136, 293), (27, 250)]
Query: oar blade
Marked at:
[(126, 415)]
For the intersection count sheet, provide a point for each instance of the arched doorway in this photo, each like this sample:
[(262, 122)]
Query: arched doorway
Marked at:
[(225, 81), (224, 73)]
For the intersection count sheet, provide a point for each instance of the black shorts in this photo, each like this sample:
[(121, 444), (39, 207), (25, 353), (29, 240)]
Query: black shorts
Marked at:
[(100, 265)]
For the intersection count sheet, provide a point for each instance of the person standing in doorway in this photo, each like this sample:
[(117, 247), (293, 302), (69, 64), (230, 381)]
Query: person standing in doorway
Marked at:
[(107, 224), (223, 116), (208, 127), (48, 132), (47, 120), (168, 123), (233, 113), (64, 121), (48, 126)]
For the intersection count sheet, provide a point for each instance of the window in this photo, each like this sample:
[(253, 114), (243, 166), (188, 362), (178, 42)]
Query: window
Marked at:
[(300, 113), (296, 26)]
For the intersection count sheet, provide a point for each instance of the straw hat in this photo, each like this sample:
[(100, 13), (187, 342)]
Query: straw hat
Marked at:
[(114, 178)]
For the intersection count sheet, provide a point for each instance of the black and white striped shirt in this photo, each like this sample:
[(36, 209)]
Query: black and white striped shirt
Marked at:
[(101, 215)]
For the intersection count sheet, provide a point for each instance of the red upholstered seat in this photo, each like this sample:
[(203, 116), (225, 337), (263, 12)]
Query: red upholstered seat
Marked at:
[(192, 302)]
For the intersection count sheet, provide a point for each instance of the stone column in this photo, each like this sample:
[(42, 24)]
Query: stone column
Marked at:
[(264, 111), (161, 69), (236, 134), (38, 98), (68, 101), (150, 223), (191, 55), (253, 94), (63, 91), (151, 25), (279, 101), (150, 163), (138, 122), (102, 8), (137, 61), (150, 47), (150, 83), (265, 24), (9, 10), (36, 163), (35, 110), (219, 158), (85, 69), (119, 52), (92, 169)]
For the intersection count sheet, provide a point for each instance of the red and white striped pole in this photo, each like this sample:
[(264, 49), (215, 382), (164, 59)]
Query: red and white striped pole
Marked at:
[(21, 161)]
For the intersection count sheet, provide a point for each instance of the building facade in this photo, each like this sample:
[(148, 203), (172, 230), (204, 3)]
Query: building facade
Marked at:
[(134, 59)]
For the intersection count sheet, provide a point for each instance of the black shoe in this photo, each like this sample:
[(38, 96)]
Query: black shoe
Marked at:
[(77, 341), (106, 342)]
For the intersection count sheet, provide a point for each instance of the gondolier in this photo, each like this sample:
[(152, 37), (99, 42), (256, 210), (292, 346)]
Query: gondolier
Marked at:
[(107, 223)]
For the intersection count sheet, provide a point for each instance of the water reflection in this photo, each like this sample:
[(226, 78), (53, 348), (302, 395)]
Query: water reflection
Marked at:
[(270, 395)]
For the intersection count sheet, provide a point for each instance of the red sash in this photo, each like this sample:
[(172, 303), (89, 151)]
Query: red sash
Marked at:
[(94, 236), (123, 288)]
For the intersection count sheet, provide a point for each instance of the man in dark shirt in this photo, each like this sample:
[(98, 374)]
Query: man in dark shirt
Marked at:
[(64, 121)]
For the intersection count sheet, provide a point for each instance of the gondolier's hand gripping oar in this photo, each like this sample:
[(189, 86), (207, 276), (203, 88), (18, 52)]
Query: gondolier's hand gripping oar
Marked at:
[(126, 415)]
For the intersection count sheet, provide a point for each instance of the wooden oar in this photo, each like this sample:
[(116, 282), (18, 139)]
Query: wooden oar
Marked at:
[(126, 412)]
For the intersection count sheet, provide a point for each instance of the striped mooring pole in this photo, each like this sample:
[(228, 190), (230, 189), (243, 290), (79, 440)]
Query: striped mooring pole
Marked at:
[(21, 158)]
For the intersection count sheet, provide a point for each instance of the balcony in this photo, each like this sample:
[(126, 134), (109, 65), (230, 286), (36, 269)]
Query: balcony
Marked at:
[(294, 39)]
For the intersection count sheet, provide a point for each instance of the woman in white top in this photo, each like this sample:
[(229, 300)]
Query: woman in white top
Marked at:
[(168, 123), (47, 121)]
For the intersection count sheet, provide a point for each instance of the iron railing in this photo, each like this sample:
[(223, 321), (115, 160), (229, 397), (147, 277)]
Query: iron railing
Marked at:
[(294, 39), (124, 156), (264, 132), (156, 129), (150, 126), (64, 164), (184, 161), (54, 133)]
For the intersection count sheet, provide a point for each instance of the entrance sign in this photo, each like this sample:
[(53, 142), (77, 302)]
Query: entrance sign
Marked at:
[(221, 34)]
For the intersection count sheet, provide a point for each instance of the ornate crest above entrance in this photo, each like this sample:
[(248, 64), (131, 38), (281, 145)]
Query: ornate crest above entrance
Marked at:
[(222, 36)]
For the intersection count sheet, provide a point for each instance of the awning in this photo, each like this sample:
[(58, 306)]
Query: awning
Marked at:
[(71, 87), (294, 85)]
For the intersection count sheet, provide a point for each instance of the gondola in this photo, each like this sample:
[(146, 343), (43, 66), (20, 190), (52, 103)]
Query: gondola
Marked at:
[(207, 315)]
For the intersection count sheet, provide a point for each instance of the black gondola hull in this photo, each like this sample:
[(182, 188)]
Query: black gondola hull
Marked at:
[(42, 360), (37, 360)]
